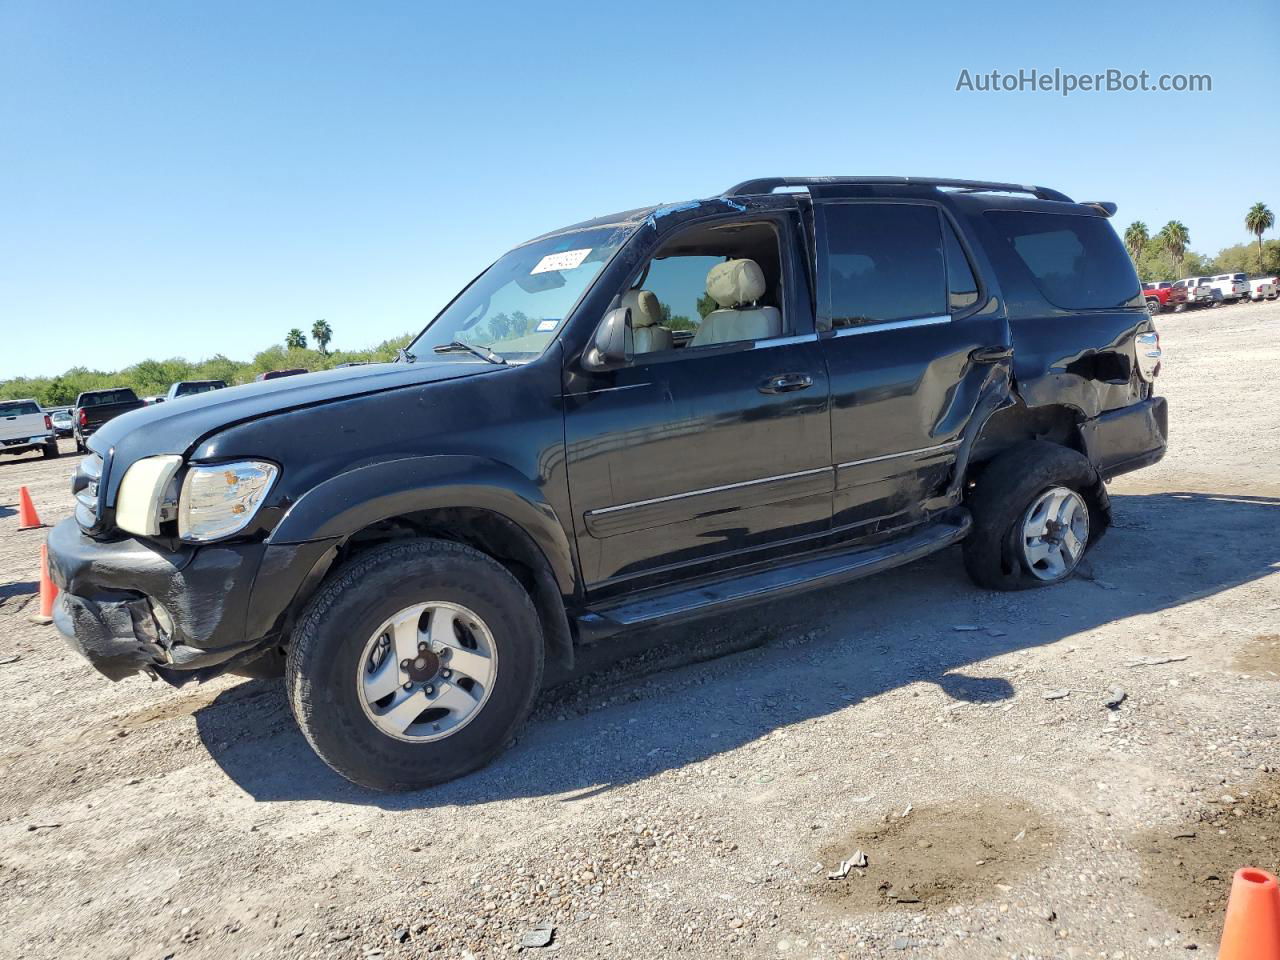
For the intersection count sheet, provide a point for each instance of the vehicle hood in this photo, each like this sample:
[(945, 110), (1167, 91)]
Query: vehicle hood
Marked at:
[(176, 426)]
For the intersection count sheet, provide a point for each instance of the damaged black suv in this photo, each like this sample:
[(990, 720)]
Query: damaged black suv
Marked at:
[(640, 419)]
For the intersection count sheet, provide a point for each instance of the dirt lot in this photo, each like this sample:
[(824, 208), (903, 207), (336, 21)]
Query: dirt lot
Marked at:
[(694, 798)]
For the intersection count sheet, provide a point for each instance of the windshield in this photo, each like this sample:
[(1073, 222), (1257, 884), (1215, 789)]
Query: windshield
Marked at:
[(516, 307)]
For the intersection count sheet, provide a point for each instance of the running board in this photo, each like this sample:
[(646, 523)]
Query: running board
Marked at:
[(688, 602)]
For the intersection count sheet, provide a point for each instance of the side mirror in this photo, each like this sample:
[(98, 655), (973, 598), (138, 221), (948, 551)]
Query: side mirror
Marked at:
[(609, 346)]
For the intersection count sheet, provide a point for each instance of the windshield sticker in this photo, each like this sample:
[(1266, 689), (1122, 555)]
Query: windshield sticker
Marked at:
[(561, 261), (546, 326)]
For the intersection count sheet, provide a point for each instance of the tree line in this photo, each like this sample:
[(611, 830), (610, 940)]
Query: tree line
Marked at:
[(150, 377), (1166, 255)]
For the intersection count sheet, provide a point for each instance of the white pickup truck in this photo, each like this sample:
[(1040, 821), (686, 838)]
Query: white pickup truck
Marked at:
[(1200, 291), (24, 426), (1234, 286), (1264, 288)]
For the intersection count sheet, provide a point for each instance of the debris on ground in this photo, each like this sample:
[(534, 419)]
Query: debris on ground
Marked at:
[(1057, 694), (1155, 661), (539, 936), (858, 860), (1115, 697)]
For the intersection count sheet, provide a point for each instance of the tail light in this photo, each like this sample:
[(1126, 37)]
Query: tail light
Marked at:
[(81, 417), (48, 422)]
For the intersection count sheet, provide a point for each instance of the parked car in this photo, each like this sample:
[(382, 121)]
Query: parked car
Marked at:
[(1162, 295), (96, 407), (62, 422), (1234, 286), (1200, 291), (277, 374), (548, 466), (187, 388), (24, 426), (1264, 288), (153, 399)]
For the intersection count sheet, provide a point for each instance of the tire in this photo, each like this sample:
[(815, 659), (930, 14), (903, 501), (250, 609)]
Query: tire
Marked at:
[(329, 664), (51, 450), (1001, 500), (80, 447)]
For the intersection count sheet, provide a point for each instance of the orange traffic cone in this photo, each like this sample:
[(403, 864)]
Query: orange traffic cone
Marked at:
[(48, 589), (27, 517), (1251, 930)]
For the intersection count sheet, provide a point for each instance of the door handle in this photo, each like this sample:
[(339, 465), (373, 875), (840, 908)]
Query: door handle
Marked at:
[(787, 383), (990, 354)]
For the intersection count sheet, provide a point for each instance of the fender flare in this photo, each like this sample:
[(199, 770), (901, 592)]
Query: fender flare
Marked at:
[(341, 506)]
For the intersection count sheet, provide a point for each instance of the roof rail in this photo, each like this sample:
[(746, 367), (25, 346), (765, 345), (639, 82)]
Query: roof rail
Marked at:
[(769, 184)]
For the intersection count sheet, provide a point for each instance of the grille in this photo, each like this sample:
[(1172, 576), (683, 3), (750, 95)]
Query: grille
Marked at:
[(84, 486)]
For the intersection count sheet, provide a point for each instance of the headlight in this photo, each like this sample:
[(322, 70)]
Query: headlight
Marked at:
[(141, 499), (218, 500)]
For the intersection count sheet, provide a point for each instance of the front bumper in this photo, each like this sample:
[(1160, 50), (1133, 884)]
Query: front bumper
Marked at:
[(188, 613), (1130, 438)]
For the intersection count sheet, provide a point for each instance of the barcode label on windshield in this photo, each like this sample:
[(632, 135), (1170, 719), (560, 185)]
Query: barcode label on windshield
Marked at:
[(561, 261)]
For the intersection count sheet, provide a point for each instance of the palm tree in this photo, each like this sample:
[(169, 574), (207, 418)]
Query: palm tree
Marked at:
[(295, 340), (1175, 238), (1136, 239), (1258, 220), (321, 333)]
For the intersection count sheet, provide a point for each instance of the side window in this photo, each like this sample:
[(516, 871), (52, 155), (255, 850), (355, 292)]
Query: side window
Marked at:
[(709, 284), (962, 286), (1077, 262), (882, 262)]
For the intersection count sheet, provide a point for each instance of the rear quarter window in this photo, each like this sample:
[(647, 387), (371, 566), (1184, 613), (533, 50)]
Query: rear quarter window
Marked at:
[(18, 408), (1076, 261)]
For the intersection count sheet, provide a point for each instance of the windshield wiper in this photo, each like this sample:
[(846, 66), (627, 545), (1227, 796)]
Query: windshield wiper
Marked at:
[(484, 353), (404, 356)]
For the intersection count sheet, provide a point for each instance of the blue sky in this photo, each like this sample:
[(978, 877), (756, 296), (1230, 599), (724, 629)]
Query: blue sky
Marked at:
[(183, 178)]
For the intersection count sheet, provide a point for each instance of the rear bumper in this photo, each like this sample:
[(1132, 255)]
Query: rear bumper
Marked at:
[(1130, 438), (27, 443), (190, 613)]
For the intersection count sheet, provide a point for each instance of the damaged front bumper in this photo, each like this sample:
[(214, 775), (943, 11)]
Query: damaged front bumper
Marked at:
[(187, 613)]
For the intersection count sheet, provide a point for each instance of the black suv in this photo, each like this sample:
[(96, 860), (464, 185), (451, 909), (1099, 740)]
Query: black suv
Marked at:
[(640, 419)]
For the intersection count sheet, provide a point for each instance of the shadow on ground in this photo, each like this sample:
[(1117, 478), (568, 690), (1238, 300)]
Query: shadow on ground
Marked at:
[(789, 661)]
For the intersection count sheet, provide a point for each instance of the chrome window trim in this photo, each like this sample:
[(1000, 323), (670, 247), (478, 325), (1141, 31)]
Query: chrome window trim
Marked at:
[(938, 448), (694, 493), (892, 325)]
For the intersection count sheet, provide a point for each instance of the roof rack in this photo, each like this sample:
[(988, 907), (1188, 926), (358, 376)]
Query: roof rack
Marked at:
[(769, 184)]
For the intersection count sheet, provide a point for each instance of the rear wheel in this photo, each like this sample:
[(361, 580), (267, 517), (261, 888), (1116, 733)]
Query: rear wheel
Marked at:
[(1153, 307), (50, 449), (414, 664), (1036, 510)]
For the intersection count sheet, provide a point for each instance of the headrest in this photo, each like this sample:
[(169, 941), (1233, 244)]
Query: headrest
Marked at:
[(735, 282), (646, 311)]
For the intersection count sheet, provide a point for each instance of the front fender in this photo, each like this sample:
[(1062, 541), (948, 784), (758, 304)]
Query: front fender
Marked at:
[(351, 501)]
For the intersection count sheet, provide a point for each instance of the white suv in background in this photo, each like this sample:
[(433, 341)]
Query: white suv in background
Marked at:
[(1234, 286)]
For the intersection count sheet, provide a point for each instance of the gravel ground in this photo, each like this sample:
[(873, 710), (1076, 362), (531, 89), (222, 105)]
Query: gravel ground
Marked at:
[(704, 796)]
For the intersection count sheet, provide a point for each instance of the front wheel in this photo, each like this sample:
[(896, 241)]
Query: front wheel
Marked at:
[(1153, 307), (415, 663), (1036, 509)]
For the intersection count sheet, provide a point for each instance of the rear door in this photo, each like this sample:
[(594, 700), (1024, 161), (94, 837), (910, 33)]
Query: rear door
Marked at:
[(911, 337)]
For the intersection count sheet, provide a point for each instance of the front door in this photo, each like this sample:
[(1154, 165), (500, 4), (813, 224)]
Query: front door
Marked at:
[(712, 446), (911, 337)]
